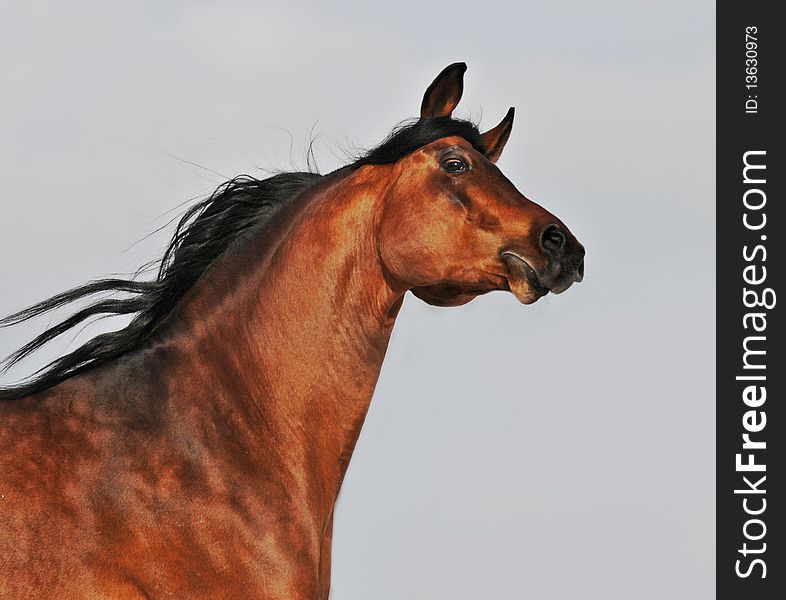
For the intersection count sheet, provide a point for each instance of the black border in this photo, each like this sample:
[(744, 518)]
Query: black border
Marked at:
[(738, 132)]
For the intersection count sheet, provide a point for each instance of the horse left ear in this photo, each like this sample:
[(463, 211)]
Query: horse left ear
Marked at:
[(444, 93), (495, 139)]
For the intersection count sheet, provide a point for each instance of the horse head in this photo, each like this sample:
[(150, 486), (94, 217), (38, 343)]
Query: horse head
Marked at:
[(455, 227)]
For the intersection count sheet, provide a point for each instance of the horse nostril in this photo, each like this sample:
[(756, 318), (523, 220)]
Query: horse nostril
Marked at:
[(552, 239), (580, 272)]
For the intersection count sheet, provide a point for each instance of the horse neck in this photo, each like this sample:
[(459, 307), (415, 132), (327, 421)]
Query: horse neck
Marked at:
[(297, 346)]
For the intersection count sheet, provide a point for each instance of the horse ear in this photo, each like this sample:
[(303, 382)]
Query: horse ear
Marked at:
[(495, 139), (445, 91)]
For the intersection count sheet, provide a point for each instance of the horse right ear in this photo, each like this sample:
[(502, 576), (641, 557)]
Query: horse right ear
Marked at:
[(444, 93), (495, 139)]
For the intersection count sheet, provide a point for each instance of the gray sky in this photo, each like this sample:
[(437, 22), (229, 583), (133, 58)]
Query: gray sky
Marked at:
[(550, 451)]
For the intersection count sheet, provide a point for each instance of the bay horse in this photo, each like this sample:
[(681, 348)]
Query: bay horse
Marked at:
[(199, 450)]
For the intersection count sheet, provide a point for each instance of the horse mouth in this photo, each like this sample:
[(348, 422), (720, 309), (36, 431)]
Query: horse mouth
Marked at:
[(523, 279)]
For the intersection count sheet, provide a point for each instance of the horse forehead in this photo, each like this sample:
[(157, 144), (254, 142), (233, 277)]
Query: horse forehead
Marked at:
[(453, 141)]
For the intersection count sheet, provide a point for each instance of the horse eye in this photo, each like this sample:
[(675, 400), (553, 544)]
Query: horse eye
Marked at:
[(454, 165)]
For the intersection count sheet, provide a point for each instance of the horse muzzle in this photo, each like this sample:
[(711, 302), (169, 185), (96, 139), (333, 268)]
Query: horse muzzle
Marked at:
[(563, 266)]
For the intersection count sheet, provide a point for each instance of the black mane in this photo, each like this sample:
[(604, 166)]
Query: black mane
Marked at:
[(201, 236), (409, 136)]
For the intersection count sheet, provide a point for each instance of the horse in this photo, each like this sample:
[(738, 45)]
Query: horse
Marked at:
[(199, 450)]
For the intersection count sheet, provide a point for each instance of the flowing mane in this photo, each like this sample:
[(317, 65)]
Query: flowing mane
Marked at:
[(204, 232)]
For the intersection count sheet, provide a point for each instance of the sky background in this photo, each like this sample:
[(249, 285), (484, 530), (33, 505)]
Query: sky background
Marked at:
[(560, 450)]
